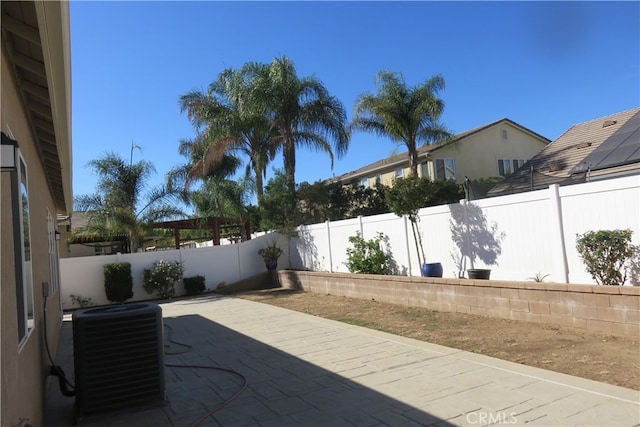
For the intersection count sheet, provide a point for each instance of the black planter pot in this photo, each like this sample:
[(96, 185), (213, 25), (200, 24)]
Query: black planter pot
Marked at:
[(271, 265), (479, 273)]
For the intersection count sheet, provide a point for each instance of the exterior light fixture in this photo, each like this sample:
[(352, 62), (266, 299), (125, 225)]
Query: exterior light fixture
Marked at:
[(9, 153)]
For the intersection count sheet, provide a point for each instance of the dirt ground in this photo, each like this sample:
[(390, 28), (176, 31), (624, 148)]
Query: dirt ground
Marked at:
[(605, 358)]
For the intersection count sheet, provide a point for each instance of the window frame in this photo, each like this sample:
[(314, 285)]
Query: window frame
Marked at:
[(451, 174), (23, 250), (517, 163), (513, 165), (399, 173)]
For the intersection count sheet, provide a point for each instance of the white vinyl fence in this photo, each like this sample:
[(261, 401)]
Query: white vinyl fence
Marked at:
[(84, 276), (516, 236)]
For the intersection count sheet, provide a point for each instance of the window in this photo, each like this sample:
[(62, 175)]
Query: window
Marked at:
[(364, 182), (445, 169), (509, 166), (378, 178), (399, 172), (517, 163), (24, 280)]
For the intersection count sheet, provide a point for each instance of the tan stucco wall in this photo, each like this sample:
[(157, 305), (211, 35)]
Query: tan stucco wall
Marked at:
[(477, 155), (24, 372)]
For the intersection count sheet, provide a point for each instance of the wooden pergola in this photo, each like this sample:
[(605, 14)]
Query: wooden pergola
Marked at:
[(213, 223)]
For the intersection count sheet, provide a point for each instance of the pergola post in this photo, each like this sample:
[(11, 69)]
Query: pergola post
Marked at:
[(176, 235)]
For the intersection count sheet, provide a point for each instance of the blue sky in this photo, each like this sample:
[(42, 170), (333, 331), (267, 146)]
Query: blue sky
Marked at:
[(545, 65)]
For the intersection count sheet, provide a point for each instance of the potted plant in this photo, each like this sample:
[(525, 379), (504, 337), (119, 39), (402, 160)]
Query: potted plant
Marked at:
[(270, 255), (406, 197)]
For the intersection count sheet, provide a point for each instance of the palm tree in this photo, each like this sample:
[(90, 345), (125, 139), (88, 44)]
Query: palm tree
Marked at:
[(218, 195), (407, 115), (227, 122), (300, 110), (121, 205)]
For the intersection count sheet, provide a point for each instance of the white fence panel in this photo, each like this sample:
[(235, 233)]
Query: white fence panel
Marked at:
[(518, 228), (600, 205), (435, 226), (313, 248), (518, 236), (84, 276), (393, 227), (339, 233), (216, 263)]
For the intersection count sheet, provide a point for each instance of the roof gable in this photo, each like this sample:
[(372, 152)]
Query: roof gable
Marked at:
[(566, 160), (399, 159)]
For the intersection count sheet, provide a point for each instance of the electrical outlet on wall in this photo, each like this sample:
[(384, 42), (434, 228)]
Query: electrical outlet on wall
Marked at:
[(46, 289)]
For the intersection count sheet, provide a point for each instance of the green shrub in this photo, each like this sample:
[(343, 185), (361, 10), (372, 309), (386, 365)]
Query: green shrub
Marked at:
[(118, 283), (162, 278), (369, 256), (81, 301), (194, 285), (607, 255), (220, 289)]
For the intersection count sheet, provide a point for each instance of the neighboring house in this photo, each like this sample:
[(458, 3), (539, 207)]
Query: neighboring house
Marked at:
[(598, 149), (89, 245), (495, 149), (36, 198)]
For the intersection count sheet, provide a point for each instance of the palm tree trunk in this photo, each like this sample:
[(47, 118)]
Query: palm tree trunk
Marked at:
[(289, 157), (259, 184), (413, 163)]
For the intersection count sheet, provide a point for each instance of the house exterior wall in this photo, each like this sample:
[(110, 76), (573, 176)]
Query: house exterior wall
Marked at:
[(25, 367), (475, 155)]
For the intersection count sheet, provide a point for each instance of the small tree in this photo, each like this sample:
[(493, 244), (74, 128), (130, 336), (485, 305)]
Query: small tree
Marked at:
[(278, 206), (118, 283), (607, 254), (370, 256), (162, 278), (406, 197)]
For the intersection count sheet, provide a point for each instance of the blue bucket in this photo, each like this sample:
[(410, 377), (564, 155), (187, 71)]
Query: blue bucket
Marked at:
[(433, 269)]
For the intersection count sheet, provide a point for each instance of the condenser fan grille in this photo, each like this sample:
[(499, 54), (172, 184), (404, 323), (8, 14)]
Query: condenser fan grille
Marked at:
[(118, 356)]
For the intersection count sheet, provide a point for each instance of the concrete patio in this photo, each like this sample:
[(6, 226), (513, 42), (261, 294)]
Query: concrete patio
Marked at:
[(302, 370)]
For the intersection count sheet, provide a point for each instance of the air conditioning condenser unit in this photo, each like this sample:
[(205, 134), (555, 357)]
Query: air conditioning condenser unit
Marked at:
[(118, 358)]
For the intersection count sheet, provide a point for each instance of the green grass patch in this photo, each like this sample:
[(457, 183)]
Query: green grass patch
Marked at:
[(432, 326)]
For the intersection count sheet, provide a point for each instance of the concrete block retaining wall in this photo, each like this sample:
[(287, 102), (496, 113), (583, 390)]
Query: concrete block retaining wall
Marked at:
[(608, 309)]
